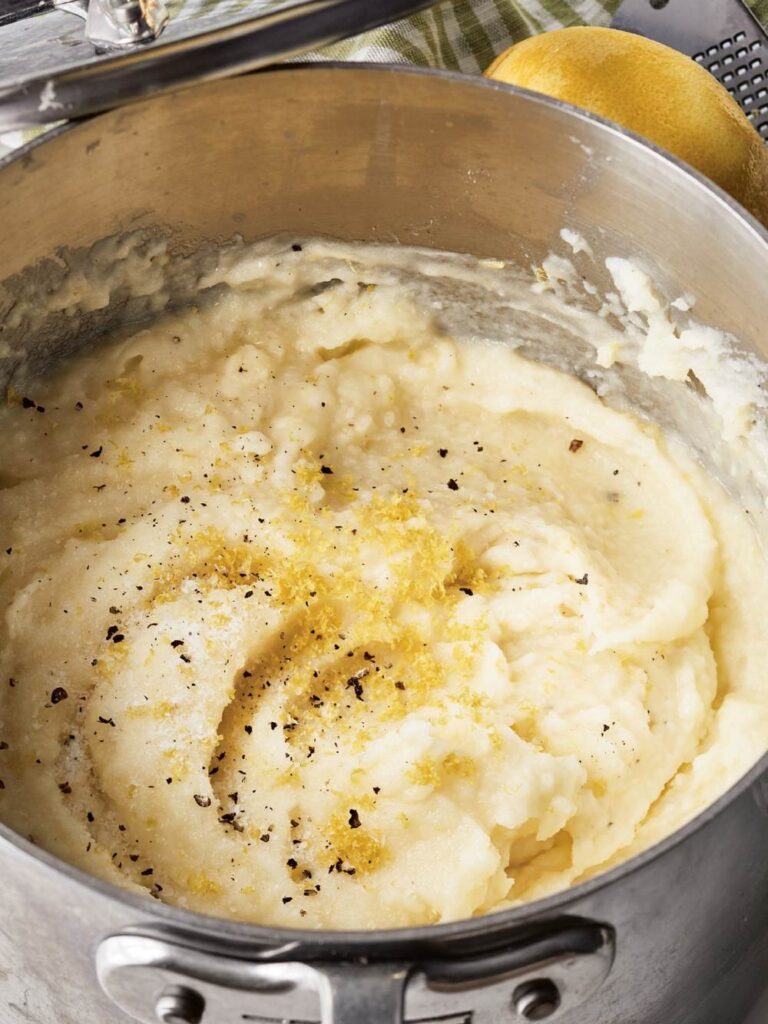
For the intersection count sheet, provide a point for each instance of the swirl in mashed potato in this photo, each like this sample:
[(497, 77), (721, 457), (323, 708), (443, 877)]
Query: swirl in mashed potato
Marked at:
[(314, 615)]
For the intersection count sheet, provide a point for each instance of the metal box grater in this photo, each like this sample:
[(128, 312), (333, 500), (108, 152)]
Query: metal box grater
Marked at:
[(721, 35)]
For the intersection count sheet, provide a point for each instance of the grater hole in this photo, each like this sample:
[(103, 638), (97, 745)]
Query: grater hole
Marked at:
[(737, 63)]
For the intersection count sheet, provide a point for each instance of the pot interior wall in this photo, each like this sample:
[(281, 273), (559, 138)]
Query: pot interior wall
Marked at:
[(370, 154), (388, 155)]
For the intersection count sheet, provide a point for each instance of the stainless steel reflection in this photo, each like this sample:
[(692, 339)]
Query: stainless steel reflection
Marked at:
[(48, 76), (678, 935), (556, 972), (119, 24)]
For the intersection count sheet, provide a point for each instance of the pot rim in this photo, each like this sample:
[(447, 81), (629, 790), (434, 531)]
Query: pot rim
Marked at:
[(280, 941)]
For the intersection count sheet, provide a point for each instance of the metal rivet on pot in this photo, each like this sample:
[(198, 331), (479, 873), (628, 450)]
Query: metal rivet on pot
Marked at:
[(180, 1006), (536, 1000)]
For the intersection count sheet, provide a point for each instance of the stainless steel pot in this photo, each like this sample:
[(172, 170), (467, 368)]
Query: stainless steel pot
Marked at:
[(678, 935)]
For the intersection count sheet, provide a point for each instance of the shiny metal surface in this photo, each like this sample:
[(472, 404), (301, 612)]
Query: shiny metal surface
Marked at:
[(72, 88), (120, 24), (179, 1006), (456, 163), (544, 978)]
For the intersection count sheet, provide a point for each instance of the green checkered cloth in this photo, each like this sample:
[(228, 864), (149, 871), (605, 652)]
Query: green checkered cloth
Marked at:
[(464, 35)]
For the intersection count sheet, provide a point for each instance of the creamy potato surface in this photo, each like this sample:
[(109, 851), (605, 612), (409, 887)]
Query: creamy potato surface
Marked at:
[(314, 615)]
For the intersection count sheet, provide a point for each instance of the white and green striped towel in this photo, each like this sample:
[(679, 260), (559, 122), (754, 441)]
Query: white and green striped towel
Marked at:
[(463, 35)]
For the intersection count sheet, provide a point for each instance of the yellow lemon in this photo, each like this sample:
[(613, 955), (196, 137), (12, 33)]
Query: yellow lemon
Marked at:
[(652, 90)]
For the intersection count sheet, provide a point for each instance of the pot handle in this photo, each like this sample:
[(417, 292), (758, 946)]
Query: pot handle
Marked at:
[(158, 979), (357, 993)]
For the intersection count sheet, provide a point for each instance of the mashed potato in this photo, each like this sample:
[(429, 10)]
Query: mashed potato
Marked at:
[(314, 615)]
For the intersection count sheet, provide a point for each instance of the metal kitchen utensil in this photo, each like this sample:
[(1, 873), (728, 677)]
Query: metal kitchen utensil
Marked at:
[(721, 35), (151, 979), (376, 154), (119, 24), (452, 162), (72, 78), (109, 24), (78, 70)]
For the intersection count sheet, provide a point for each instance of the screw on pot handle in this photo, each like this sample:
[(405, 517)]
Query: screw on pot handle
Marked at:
[(159, 981)]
